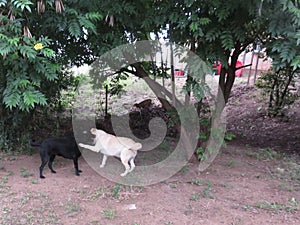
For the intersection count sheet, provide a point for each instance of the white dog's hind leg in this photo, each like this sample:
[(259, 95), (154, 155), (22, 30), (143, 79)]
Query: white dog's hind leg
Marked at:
[(132, 165), (127, 167), (103, 161)]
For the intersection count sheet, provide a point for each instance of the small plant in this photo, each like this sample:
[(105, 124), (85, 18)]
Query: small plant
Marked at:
[(200, 152), (247, 207), (196, 182), (116, 190), (185, 169), (207, 191), (174, 184), (203, 136), (217, 134), (109, 214), (229, 137), (29, 216), (99, 193), (25, 173), (34, 181), (73, 207), (4, 179), (6, 210), (168, 223), (195, 197)]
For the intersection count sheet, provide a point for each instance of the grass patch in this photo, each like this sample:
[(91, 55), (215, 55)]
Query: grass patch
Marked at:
[(231, 163), (266, 154), (291, 206), (109, 214), (119, 192), (24, 173), (288, 172), (3, 181), (72, 208), (206, 193)]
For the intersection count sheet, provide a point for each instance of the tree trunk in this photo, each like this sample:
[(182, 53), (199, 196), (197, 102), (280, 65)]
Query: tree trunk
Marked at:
[(172, 75), (188, 94), (285, 91), (227, 76), (158, 90)]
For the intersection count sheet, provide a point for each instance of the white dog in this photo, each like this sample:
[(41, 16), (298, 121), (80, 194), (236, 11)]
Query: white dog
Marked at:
[(110, 145)]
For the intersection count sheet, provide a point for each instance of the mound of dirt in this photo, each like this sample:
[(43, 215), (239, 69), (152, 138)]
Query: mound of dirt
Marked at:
[(247, 118)]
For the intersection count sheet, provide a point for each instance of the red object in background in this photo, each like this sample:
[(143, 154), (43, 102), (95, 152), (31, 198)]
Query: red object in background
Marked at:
[(217, 66), (239, 72), (178, 73)]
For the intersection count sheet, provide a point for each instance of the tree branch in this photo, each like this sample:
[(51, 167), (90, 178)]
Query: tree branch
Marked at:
[(243, 66)]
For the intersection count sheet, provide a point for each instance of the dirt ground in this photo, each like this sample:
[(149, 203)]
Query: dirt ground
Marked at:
[(252, 181)]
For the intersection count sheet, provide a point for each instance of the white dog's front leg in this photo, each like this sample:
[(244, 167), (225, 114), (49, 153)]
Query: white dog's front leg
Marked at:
[(90, 147), (103, 161)]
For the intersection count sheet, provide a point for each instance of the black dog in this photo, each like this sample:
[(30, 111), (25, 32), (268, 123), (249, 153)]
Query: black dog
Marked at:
[(65, 147)]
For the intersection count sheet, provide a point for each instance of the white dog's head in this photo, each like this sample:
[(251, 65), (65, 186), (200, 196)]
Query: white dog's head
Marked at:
[(97, 132), (94, 131)]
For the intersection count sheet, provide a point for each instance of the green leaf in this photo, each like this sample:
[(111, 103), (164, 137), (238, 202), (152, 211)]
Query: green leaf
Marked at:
[(29, 98), (40, 98), (22, 4), (11, 100), (6, 47), (22, 83), (296, 63), (48, 52), (94, 16), (227, 41), (51, 71), (204, 21), (213, 34), (39, 67), (14, 41), (3, 3), (27, 51), (74, 28), (194, 26), (203, 136), (229, 136), (86, 23)]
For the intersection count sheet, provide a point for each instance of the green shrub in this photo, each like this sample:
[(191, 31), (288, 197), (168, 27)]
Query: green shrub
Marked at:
[(279, 86)]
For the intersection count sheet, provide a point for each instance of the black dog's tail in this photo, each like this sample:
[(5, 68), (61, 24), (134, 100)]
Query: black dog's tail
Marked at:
[(34, 143)]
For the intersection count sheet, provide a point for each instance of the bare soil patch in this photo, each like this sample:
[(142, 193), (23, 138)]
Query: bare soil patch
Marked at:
[(241, 187)]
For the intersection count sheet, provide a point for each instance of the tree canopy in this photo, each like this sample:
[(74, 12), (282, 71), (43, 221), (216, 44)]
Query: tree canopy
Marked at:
[(40, 39)]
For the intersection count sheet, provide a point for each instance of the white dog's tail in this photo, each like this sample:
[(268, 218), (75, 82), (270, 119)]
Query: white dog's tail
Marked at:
[(136, 146)]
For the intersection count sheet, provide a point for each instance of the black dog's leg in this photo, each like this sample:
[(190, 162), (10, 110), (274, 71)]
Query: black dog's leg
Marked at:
[(77, 171), (45, 159), (52, 157)]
